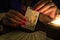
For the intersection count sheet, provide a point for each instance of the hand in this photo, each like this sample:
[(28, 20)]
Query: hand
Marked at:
[(16, 18), (47, 9)]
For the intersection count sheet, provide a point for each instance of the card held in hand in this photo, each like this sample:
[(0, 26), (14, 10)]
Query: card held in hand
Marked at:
[(32, 17)]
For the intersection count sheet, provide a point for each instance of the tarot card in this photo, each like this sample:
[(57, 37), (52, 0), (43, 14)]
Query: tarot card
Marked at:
[(32, 17)]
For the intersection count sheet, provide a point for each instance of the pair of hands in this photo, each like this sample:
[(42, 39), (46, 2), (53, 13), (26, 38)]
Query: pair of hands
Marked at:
[(18, 19)]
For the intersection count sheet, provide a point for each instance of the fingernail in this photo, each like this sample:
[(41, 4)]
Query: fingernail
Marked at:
[(23, 22), (24, 19)]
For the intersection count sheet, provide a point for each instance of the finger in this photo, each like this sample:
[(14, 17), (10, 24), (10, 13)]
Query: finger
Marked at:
[(36, 5), (18, 14), (20, 20), (5, 22), (15, 17), (14, 21), (47, 11), (40, 6), (53, 13), (17, 22), (46, 7), (22, 17), (9, 15)]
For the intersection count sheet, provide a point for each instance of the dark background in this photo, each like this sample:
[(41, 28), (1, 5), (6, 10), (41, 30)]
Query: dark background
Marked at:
[(7, 4)]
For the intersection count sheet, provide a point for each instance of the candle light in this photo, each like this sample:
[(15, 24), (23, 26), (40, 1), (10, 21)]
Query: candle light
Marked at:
[(56, 21)]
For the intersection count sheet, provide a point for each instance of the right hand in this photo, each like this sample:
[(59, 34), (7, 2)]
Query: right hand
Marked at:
[(16, 18)]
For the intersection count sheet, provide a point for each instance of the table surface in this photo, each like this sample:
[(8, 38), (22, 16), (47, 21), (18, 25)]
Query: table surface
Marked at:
[(19, 35)]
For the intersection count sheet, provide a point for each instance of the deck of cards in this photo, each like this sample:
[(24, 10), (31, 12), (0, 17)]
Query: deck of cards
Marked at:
[(32, 17)]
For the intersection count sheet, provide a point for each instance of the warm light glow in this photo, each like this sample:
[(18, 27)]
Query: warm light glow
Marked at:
[(56, 21)]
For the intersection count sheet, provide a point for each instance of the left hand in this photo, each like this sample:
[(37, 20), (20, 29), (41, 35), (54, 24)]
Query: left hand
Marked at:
[(48, 9), (45, 8)]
